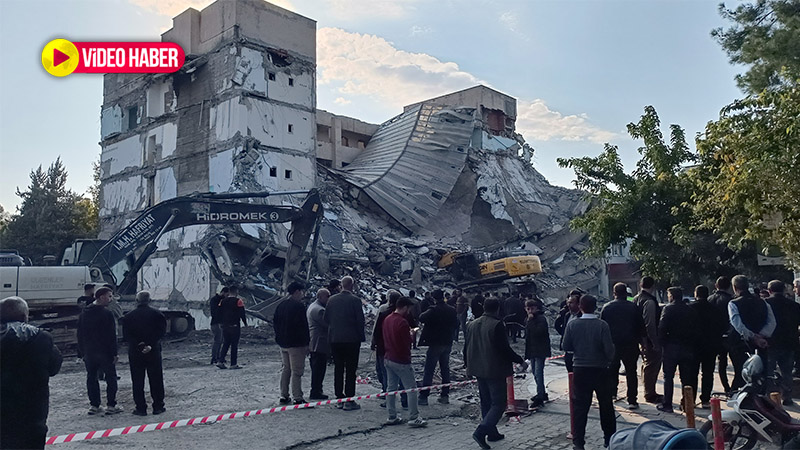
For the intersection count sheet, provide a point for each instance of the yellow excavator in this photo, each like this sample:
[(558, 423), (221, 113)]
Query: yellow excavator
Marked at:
[(480, 268)]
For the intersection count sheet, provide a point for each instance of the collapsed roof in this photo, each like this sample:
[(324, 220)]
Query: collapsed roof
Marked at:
[(413, 161)]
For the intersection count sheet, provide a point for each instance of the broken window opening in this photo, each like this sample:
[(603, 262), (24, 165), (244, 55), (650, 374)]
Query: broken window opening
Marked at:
[(345, 164), (345, 141), (279, 58), (496, 121), (291, 81), (361, 144), (133, 117), (291, 128), (271, 76), (273, 171), (287, 174)]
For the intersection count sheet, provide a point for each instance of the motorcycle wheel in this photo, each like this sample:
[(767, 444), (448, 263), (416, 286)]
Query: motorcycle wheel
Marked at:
[(745, 437)]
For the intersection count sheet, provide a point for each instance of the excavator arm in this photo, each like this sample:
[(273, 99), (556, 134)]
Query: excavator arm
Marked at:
[(208, 209)]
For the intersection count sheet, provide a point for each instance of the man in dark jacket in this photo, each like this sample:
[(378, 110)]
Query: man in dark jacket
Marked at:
[(441, 324), (678, 333), (143, 328), (651, 347), (232, 309), (319, 347), (570, 311), (88, 296), (589, 338), (344, 315), (783, 341), (625, 322), (752, 324), (291, 334), (216, 324), (537, 347), (97, 345), (711, 329), (720, 299), (490, 359), (515, 316), (28, 359)]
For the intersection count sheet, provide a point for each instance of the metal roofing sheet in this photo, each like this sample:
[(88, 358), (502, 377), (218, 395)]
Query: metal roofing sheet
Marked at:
[(413, 161)]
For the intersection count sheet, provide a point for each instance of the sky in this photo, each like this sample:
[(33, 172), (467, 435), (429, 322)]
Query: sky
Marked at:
[(580, 70)]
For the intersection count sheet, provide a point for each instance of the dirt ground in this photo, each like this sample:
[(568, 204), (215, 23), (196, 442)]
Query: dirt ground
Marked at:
[(194, 388)]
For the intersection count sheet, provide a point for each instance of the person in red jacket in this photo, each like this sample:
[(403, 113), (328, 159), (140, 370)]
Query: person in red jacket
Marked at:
[(397, 356)]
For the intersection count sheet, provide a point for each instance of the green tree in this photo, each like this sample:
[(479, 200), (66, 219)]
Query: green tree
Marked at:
[(765, 36), (652, 207), (50, 216), (748, 188)]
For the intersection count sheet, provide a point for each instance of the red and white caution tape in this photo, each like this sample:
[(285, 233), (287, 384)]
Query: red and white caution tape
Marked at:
[(74, 437), (555, 357)]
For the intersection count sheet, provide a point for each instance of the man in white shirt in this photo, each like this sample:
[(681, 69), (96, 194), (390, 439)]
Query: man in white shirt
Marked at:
[(752, 323)]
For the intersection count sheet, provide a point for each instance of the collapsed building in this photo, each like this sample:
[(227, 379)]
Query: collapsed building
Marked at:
[(448, 173)]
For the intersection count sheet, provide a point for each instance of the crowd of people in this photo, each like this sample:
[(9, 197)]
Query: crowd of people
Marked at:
[(692, 337)]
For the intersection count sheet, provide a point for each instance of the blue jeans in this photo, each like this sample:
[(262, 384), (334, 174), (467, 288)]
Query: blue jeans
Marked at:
[(397, 373), (537, 368), (437, 354), (784, 360), (493, 404)]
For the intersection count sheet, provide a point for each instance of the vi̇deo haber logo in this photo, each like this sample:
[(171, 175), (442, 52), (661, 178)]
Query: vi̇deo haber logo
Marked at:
[(61, 57)]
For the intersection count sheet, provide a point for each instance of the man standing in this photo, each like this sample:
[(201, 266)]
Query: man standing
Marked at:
[(569, 312), (232, 308), (784, 339), (143, 328), (711, 329), (752, 323), (88, 296), (476, 305), (625, 322), (344, 315), (97, 345), (678, 333), (589, 338), (397, 342), (490, 359), (28, 359), (216, 324), (651, 347), (537, 347), (462, 306), (320, 349), (720, 299), (514, 312), (441, 325), (292, 335)]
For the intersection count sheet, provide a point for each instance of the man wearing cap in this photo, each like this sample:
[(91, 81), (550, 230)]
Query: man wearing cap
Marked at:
[(143, 328), (97, 346)]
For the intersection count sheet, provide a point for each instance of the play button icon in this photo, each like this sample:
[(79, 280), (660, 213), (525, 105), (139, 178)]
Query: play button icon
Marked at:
[(59, 57)]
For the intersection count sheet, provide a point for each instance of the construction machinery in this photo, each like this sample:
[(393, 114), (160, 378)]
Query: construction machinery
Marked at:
[(482, 271), (51, 291)]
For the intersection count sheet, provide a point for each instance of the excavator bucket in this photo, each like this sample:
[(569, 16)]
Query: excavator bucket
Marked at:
[(299, 235)]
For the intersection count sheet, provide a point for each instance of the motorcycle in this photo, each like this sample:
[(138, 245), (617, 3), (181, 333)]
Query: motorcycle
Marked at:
[(753, 417)]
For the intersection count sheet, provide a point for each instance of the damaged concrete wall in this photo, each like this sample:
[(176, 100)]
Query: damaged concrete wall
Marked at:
[(238, 117)]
